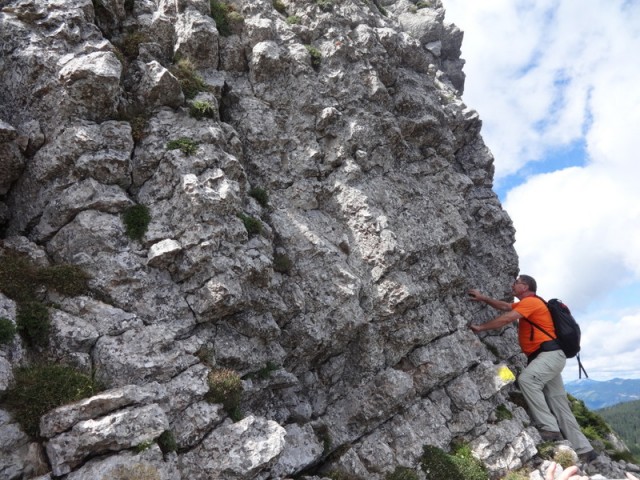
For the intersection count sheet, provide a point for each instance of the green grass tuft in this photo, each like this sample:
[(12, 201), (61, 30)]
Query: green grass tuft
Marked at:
[(202, 109), (225, 387), (185, 145), (7, 331), (66, 279), (33, 323), (460, 464), (253, 225), (316, 56), (136, 220), (261, 195), (190, 81), (38, 389)]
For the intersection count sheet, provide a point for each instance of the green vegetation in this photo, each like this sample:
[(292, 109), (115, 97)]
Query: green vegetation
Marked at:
[(138, 124), (7, 331), (564, 458), (40, 388), (253, 225), (139, 471), (423, 4), (136, 220), (261, 195), (624, 418), (280, 7), (185, 145), (202, 109), (282, 263), (225, 387), (18, 277), (66, 279), (167, 442), (316, 56), (130, 44), (325, 5), (402, 473), (190, 82), (460, 463), (225, 17), (20, 280), (33, 323), (146, 445), (593, 425), (503, 413), (293, 20)]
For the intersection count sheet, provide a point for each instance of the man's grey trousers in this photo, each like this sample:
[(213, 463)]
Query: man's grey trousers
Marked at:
[(543, 389)]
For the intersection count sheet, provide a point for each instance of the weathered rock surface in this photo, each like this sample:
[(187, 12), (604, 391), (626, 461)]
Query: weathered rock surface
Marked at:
[(315, 232)]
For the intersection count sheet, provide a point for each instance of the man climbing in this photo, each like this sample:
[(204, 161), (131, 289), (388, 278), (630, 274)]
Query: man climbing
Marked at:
[(541, 382)]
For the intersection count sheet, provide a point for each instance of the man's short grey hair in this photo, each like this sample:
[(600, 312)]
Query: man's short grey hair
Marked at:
[(530, 282)]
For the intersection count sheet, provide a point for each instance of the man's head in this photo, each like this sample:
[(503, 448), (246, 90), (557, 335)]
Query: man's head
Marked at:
[(523, 285)]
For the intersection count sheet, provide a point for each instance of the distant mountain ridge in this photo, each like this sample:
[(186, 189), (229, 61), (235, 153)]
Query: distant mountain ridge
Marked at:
[(599, 394)]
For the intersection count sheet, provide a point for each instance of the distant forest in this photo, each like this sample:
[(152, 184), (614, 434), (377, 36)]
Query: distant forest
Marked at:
[(624, 418)]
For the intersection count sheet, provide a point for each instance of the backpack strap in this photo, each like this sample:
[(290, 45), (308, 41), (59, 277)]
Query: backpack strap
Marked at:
[(538, 326)]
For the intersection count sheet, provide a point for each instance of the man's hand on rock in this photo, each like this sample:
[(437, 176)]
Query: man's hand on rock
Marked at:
[(475, 295)]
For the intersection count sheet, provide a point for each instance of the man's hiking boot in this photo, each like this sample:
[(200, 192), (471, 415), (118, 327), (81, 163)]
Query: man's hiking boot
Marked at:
[(549, 436), (588, 457)]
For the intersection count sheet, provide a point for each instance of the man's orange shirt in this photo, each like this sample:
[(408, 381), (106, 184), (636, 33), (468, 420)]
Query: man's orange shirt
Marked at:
[(535, 310)]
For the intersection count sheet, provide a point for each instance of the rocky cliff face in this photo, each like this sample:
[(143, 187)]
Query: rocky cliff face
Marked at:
[(346, 285)]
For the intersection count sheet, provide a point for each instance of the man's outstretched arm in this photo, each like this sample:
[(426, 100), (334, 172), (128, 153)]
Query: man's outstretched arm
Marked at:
[(476, 296), (497, 322)]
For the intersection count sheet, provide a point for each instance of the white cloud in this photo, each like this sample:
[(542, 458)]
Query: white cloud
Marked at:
[(609, 350), (548, 74)]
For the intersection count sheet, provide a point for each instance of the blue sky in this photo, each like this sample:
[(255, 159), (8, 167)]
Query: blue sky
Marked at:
[(557, 85)]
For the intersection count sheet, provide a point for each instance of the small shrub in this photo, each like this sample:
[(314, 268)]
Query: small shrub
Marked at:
[(325, 5), (253, 225), (130, 45), (546, 450), (139, 471), (316, 56), (439, 465), (202, 109), (40, 388), (564, 458), (423, 4), (136, 220), (167, 442), (624, 455), (185, 145), (282, 263), (146, 445), (293, 20), (33, 323), (261, 195), (503, 413), (66, 279), (225, 17), (18, 277), (7, 330), (138, 124), (225, 387), (280, 7), (190, 82), (402, 473)]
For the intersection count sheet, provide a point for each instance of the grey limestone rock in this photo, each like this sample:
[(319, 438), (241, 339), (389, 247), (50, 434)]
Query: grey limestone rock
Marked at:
[(315, 235)]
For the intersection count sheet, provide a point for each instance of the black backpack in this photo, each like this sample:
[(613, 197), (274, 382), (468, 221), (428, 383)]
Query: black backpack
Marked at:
[(567, 330)]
